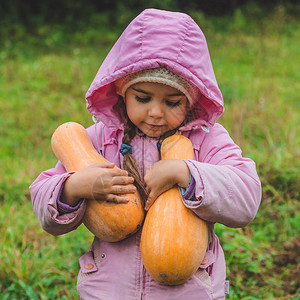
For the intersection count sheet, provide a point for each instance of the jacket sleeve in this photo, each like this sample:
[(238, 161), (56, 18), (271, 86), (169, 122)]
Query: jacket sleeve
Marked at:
[(228, 190), (45, 191)]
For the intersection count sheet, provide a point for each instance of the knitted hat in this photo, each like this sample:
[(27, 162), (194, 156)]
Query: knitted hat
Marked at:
[(158, 75)]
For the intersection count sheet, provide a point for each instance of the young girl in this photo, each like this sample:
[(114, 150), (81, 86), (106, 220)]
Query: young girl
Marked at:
[(156, 79)]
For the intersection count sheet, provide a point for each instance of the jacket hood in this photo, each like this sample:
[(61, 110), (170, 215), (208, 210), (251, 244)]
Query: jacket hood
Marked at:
[(157, 38)]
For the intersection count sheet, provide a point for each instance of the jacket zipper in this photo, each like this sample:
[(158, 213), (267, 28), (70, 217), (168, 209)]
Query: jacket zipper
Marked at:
[(143, 174), (143, 157)]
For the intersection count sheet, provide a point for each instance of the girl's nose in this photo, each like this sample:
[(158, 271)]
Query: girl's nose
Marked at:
[(155, 111)]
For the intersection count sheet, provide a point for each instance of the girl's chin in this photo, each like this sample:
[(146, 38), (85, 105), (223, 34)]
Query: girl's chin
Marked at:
[(152, 134), (155, 132)]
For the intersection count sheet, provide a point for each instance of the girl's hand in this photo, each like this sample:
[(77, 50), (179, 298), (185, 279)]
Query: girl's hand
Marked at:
[(100, 181), (163, 175)]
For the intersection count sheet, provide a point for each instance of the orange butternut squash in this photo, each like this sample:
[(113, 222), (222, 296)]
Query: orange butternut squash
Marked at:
[(108, 221), (174, 240)]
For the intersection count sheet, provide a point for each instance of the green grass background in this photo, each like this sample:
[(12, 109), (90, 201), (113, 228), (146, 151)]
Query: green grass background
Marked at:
[(44, 74)]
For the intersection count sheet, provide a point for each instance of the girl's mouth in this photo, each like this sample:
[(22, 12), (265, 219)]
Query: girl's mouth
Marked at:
[(154, 127)]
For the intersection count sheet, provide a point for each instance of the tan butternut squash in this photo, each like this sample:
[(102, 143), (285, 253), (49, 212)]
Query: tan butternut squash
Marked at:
[(174, 240), (108, 221)]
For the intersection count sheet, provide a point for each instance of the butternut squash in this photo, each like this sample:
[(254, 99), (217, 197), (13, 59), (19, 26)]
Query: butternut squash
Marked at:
[(174, 240), (108, 221)]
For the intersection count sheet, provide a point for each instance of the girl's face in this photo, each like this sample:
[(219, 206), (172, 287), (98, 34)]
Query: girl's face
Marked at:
[(155, 108)]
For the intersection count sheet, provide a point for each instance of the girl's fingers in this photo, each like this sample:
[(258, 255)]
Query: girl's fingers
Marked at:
[(148, 189), (117, 199), (103, 164), (151, 199), (123, 189), (118, 172), (148, 203), (122, 180), (111, 168)]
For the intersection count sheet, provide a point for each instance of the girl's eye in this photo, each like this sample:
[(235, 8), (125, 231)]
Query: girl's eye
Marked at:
[(173, 103), (142, 100)]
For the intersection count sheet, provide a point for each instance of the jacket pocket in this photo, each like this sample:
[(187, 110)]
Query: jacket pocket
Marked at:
[(88, 266), (203, 276), (203, 273)]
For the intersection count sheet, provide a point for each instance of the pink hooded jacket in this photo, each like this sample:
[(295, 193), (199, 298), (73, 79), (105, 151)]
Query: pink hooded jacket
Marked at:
[(227, 188)]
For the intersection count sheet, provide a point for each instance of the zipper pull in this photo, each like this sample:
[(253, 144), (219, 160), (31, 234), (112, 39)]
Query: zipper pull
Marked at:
[(205, 128)]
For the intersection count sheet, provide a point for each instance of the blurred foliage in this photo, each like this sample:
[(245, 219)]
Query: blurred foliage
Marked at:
[(31, 13)]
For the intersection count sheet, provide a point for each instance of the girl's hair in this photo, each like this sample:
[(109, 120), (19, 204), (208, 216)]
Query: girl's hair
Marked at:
[(129, 162)]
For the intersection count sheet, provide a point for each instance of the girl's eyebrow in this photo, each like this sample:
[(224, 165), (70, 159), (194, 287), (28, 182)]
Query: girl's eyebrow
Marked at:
[(176, 94), (148, 93)]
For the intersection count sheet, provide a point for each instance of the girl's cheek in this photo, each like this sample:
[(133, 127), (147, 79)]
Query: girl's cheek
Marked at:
[(177, 118)]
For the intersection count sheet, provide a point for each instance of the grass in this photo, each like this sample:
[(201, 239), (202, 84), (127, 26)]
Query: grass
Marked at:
[(43, 80)]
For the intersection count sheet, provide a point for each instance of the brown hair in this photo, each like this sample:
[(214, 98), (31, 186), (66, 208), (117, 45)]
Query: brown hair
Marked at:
[(129, 162)]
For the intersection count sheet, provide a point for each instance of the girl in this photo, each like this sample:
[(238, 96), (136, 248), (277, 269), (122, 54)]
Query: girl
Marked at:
[(156, 79)]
